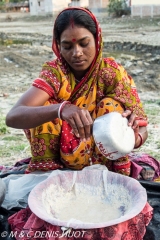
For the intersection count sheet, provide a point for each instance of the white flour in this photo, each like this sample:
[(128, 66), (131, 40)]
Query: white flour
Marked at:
[(85, 204)]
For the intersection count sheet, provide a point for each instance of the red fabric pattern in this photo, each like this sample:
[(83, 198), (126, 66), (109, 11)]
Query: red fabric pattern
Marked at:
[(69, 142), (26, 225), (41, 84)]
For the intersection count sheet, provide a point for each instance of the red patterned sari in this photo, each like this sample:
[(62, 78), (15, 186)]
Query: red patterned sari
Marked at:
[(105, 88)]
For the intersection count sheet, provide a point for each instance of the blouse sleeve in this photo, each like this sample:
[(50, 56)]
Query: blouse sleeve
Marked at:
[(48, 80)]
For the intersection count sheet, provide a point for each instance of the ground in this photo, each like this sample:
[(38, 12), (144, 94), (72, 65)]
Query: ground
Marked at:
[(25, 44)]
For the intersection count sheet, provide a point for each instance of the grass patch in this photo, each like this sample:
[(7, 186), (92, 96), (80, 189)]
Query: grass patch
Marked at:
[(152, 108), (13, 147), (3, 127), (152, 144), (12, 138), (8, 42), (14, 150), (8, 151)]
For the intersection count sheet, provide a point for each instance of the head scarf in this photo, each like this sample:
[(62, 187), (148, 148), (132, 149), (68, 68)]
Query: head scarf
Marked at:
[(98, 32)]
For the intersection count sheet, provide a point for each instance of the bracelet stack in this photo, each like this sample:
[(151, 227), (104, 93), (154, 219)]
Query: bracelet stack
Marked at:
[(61, 108), (141, 140)]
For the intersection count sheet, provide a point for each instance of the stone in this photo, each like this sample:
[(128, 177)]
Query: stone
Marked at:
[(128, 64), (136, 71), (146, 63), (127, 56)]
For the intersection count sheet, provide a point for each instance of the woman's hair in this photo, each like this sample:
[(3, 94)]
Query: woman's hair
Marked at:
[(73, 17)]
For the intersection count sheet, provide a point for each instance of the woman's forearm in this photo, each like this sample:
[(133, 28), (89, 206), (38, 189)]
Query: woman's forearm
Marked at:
[(25, 117)]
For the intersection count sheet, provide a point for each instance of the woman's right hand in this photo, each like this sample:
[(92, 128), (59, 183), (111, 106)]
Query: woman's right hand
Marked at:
[(79, 119)]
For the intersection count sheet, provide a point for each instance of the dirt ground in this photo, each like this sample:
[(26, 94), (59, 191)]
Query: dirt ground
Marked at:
[(25, 44)]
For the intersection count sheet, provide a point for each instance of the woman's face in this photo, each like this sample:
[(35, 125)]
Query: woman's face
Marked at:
[(78, 48)]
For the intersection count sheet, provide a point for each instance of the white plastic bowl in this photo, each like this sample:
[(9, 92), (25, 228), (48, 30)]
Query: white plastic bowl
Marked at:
[(90, 178), (112, 135)]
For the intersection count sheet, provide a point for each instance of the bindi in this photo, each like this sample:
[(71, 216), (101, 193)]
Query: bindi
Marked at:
[(73, 40)]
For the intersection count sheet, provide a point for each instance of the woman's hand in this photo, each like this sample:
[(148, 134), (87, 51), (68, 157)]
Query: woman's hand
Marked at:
[(79, 119), (132, 122), (141, 133)]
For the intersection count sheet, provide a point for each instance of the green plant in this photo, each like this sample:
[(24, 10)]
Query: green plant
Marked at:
[(15, 1), (3, 127), (118, 7)]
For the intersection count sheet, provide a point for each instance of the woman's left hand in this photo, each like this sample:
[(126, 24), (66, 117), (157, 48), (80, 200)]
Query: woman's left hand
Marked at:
[(132, 121), (140, 133)]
